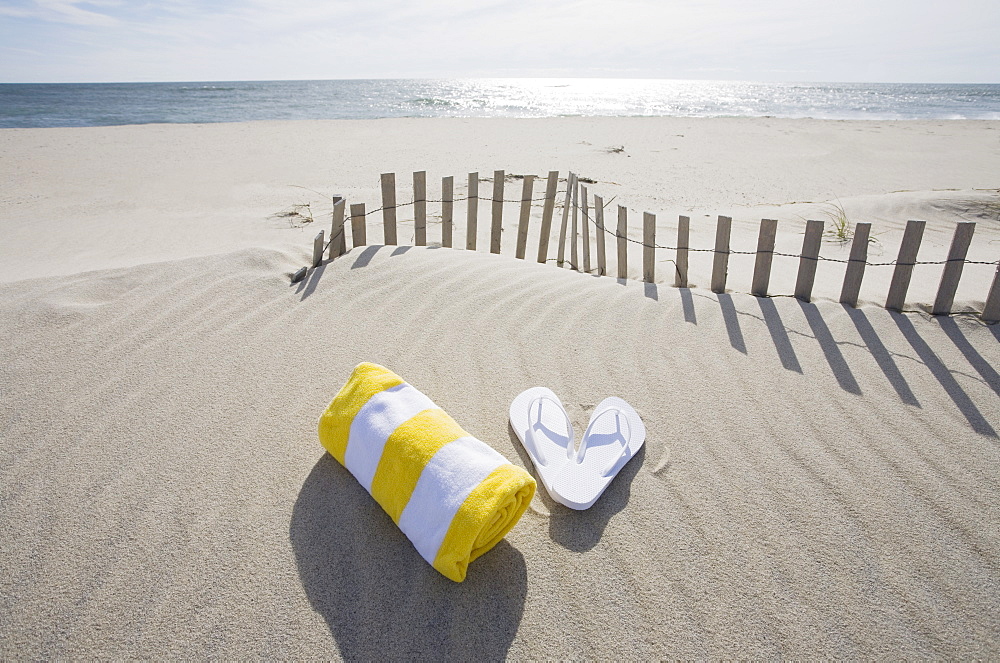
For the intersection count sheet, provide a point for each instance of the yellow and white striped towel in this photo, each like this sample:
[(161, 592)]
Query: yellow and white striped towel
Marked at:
[(451, 494)]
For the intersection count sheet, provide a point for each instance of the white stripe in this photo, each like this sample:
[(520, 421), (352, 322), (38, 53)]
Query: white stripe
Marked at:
[(374, 423), (448, 478)]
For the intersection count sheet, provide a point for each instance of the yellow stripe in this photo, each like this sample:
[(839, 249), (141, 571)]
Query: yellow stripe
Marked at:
[(406, 452), (335, 424), (488, 513)]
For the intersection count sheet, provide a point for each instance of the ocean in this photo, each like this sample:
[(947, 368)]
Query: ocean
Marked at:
[(102, 104)]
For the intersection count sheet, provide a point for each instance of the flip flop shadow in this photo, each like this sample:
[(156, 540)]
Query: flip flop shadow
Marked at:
[(580, 531)]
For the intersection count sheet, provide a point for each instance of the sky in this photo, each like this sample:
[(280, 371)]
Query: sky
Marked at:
[(906, 41)]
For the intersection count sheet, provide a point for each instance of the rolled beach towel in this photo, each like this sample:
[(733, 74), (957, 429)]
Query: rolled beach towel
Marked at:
[(452, 495)]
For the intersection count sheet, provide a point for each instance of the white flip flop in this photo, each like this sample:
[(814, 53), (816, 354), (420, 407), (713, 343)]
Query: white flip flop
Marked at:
[(575, 478), (614, 435), (545, 431)]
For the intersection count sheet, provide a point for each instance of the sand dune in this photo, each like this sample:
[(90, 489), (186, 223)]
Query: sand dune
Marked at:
[(817, 481)]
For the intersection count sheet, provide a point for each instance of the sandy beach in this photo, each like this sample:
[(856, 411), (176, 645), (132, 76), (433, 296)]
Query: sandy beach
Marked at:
[(817, 480)]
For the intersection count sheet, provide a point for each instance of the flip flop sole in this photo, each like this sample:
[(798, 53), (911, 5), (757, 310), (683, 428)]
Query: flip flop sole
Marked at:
[(614, 435), (544, 430)]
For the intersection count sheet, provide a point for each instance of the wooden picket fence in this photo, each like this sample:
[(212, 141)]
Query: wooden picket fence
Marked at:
[(577, 217)]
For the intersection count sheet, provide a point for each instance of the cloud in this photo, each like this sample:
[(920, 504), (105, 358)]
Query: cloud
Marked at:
[(246, 39), (64, 11)]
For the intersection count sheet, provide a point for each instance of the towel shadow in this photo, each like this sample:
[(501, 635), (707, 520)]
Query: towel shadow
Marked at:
[(580, 531), (379, 598)]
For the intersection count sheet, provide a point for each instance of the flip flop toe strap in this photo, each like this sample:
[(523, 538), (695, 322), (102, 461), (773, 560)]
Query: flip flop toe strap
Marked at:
[(618, 461), (529, 435)]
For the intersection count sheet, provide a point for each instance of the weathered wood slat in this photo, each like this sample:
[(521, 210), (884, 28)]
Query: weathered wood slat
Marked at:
[(389, 208), (856, 265), (622, 242), (602, 258), (338, 241), (649, 247), (764, 257), (358, 225), (574, 246), (720, 266), (585, 223), (420, 208), (808, 260), (683, 244), (551, 186), (953, 268), (319, 243), (447, 210), (991, 311), (522, 223), (561, 251), (908, 250), (496, 227), (472, 222)]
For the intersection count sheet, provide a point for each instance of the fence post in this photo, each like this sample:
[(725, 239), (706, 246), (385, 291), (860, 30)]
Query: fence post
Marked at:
[(561, 255), (497, 226), (447, 210), (358, 225), (908, 249), (683, 242), (602, 264), (522, 223), (550, 203), (808, 259), (720, 268), (318, 245), (648, 247), (953, 268), (420, 208), (389, 208), (764, 257), (622, 235), (574, 247), (991, 311), (585, 222), (856, 265), (338, 242), (472, 204)]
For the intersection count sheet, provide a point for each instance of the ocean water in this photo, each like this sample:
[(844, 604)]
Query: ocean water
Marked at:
[(78, 105)]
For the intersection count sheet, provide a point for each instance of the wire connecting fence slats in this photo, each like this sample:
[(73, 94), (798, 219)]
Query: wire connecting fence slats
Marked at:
[(579, 216)]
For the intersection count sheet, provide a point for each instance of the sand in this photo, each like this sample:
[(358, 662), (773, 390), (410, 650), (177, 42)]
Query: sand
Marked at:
[(817, 480)]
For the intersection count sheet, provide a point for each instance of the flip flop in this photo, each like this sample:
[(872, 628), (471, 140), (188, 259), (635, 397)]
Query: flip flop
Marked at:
[(576, 477), (544, 429), (613, 436)]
